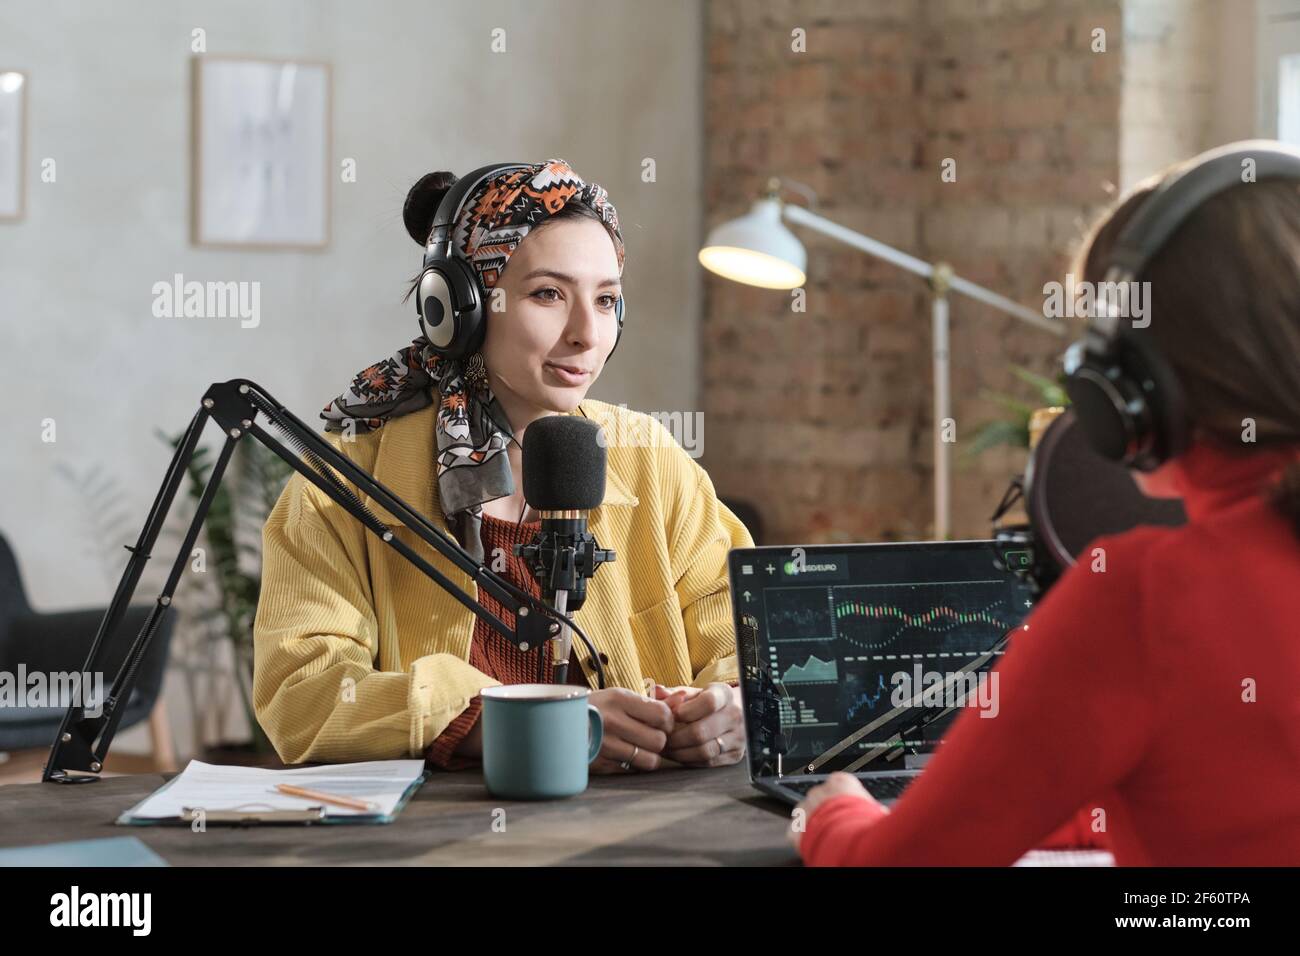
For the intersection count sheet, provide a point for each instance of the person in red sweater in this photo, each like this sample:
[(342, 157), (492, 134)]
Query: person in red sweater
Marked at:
[(1155, 693)]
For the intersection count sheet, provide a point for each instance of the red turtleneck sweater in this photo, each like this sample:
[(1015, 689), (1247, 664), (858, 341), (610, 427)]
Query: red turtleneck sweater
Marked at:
[(1162, 696)]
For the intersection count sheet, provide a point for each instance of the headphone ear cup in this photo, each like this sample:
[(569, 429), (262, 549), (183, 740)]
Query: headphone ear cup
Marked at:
[(1099, 408), (451, 310), (1130, 403), (470, 324), (1155, 380), (436, 309)]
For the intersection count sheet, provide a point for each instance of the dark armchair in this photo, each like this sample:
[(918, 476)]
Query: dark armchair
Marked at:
[(59, 642), (749, 516)]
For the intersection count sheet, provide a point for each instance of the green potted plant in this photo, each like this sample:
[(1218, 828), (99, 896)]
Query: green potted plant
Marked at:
[(1015, 429)]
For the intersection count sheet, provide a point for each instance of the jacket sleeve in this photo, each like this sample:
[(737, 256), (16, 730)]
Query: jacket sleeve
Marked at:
[(316, 691), (701, 530)]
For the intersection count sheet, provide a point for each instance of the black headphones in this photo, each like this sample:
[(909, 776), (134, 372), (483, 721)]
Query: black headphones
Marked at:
[(1125, 395), (450, 299)]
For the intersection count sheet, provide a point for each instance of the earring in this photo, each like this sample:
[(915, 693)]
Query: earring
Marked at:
[(475, 373)]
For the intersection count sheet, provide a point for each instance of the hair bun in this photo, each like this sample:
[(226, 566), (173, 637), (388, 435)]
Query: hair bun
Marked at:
[(422, 203)]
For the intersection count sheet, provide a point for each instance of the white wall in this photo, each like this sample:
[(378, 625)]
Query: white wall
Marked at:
[(416, 88), (1189, 81), (1169, 74), (1235, 108)]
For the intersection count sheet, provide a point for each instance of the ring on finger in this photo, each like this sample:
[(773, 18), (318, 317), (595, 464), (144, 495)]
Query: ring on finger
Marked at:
[(627, 764), (721, 748)]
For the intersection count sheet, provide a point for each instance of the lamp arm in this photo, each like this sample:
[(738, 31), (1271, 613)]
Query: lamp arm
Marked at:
[(873, 247)]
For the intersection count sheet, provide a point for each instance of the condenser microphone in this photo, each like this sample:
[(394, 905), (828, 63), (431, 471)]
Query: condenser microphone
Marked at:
[(564, 479), (1074, 495)]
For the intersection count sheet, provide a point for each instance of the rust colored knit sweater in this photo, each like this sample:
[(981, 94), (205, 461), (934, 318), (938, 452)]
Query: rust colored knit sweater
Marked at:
[(490, 652)]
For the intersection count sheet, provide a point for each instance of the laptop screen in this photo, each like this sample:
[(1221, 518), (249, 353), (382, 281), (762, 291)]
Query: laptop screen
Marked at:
[(858, 657)]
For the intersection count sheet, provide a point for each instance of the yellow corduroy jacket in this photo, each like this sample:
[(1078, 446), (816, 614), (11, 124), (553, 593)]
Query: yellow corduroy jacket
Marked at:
[(359, 656)]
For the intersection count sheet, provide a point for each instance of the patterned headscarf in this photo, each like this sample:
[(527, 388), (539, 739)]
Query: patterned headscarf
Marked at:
[(471, 428)]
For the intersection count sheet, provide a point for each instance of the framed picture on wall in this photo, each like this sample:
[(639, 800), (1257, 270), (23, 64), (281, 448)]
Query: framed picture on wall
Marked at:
[(13, 144), (261, 142)]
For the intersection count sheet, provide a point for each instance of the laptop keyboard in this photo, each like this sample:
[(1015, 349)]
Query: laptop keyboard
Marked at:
[(880, 787)]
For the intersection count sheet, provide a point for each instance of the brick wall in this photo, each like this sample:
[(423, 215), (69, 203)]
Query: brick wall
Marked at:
[(823, 418)]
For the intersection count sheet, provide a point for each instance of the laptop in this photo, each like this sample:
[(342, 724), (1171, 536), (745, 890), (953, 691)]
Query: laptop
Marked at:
[(858, 657)]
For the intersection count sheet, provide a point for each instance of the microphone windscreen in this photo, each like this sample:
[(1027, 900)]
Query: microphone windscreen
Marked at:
[(564, 464), (1076, 494)]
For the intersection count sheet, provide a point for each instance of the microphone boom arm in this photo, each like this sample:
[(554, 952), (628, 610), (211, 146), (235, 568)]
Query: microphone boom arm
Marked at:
[(82, 743)]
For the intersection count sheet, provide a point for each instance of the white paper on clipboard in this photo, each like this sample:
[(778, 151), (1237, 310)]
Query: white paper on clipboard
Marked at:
[(221, 788)]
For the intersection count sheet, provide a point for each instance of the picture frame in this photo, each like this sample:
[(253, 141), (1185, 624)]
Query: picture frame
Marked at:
[(13, 145), (261, 138)]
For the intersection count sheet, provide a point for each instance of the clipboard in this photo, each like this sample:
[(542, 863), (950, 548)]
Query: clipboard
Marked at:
[(251, 815)]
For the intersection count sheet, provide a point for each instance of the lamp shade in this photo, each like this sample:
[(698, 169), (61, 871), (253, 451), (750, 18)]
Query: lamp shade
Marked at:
[(756, 249)]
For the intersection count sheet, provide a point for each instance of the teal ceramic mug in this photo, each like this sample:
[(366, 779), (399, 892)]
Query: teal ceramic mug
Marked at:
[(538, 740)]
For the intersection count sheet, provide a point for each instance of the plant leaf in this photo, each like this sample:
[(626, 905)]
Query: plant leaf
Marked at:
[(1049, 390), (995, 433)]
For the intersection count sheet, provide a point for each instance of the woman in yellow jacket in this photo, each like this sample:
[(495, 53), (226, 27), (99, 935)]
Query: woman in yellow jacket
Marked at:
[(359, 656)]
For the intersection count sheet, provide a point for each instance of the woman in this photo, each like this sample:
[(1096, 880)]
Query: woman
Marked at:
[(359, 656), (1163, 695)]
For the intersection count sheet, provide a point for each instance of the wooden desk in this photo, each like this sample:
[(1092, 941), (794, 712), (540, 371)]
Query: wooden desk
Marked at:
[(677, 817)]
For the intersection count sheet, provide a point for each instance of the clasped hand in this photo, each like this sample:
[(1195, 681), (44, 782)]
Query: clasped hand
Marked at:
[(692, 726)]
